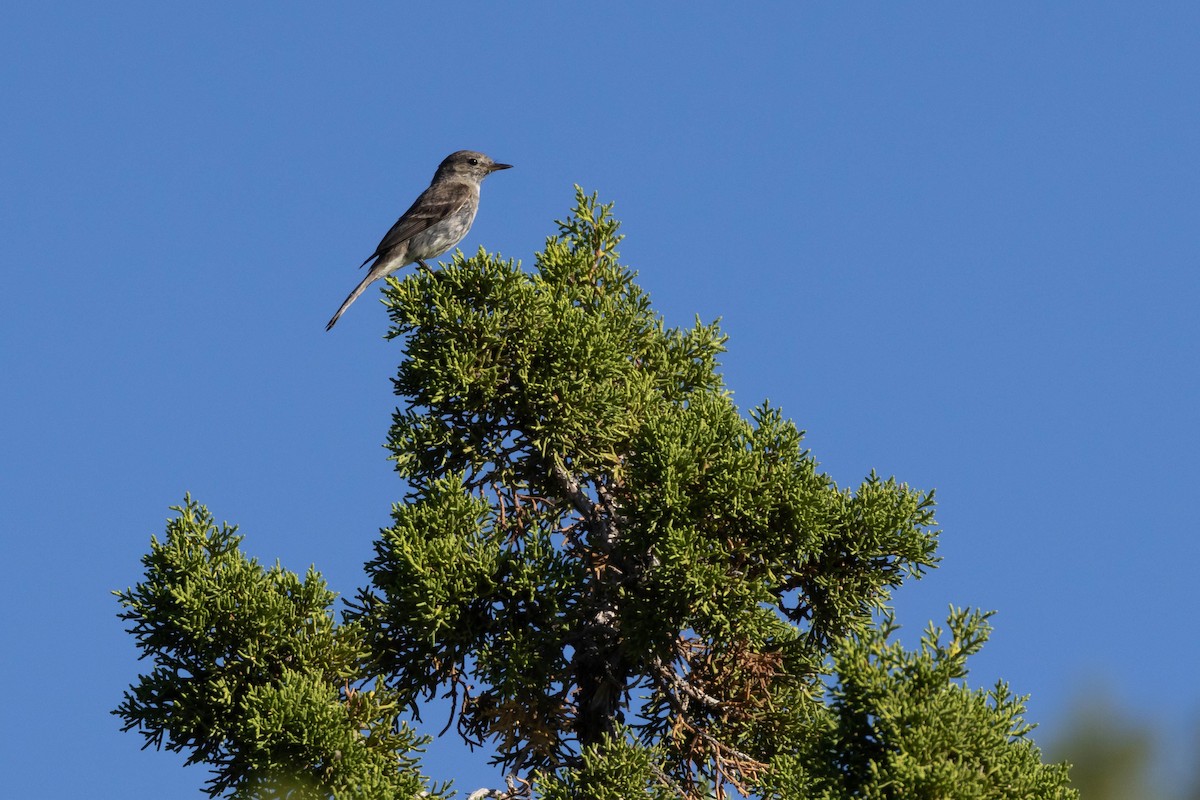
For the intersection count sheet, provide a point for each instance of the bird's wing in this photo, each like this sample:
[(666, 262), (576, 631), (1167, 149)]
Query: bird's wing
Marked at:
[(434, 205)]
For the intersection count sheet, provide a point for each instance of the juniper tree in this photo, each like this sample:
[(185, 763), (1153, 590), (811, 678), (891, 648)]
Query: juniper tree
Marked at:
[(626, 587)]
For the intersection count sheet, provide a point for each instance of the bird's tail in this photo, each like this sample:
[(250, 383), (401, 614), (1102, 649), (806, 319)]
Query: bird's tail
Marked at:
[(362, 287)]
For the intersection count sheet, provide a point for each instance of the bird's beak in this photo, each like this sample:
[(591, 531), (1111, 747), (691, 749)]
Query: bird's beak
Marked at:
[(495, 167)]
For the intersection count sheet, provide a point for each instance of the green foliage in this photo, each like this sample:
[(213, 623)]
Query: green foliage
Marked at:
[(903, 725), (1115, 755), (251, 675), (626, 587), (613, 769)]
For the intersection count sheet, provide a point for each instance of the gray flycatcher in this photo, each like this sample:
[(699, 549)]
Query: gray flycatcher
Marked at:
[(437, 221)]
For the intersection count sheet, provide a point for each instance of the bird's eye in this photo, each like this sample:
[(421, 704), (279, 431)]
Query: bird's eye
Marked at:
[(473, 161)]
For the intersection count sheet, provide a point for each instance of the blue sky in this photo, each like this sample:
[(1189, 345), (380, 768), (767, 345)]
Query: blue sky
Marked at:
[(957, 243)]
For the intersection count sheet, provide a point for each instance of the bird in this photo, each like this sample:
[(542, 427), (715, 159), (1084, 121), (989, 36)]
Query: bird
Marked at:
[(436, 221)]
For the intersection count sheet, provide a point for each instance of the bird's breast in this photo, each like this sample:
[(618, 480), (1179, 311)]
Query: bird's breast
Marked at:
[(442, 235)]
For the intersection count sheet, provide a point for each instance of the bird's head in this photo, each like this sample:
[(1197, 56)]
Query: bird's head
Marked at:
[(468, 165)]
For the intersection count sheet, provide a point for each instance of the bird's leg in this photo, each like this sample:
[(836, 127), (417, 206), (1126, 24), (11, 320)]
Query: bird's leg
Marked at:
[(424, 266)]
